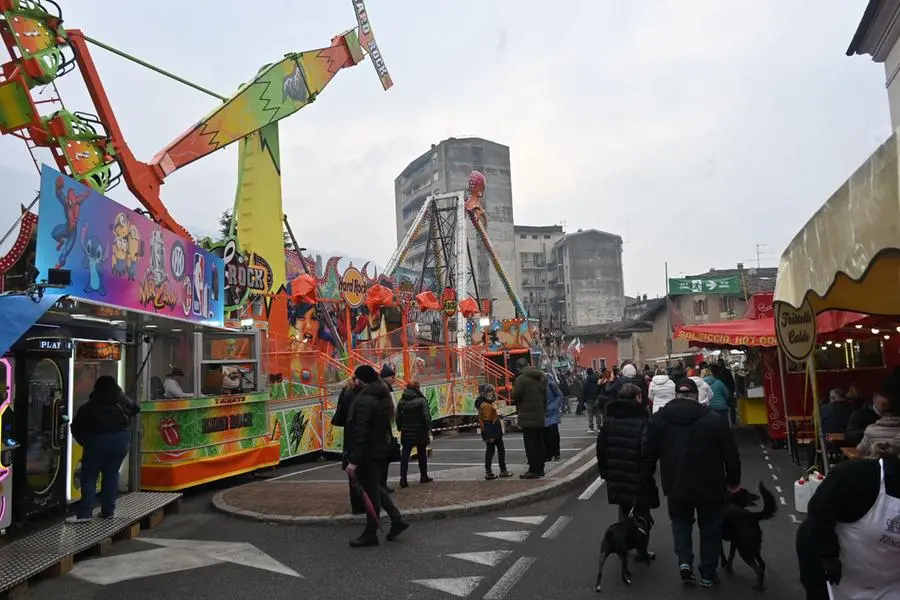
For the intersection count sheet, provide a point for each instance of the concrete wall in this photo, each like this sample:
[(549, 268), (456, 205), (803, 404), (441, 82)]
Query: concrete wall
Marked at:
[(461, 157), (592, 270), (445, 168), (533, 275)]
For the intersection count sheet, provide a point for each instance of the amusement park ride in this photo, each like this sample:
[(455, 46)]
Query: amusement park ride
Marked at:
[(317, 326)]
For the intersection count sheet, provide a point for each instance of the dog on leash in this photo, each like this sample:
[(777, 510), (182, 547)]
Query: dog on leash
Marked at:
[(620, 538), (741, 527)]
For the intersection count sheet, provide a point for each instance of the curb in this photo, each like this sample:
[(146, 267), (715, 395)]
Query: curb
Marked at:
[(575, 479)]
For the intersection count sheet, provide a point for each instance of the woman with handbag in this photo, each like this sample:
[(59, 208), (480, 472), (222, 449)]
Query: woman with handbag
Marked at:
[(103, 428)]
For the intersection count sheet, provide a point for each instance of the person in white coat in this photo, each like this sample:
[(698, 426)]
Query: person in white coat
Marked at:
[(704, 390), (662, 390)]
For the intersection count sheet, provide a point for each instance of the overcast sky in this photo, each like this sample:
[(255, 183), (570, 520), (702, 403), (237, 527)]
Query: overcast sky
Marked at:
[(695, 129)]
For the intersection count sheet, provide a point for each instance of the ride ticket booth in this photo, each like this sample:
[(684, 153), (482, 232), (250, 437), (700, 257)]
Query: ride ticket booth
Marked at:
[(207, 420)]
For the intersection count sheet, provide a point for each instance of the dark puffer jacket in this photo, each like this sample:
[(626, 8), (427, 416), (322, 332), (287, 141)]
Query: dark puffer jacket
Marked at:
[(106, 411), (413, 418), (621, 453), (696, 451), (530, 395), (367, 435)]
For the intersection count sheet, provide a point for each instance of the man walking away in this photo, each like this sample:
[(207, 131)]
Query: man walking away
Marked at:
[(530, 396), (590, 391), (699, 461)]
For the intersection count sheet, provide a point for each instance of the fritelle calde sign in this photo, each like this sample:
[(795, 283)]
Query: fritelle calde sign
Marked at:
[(795, 329)]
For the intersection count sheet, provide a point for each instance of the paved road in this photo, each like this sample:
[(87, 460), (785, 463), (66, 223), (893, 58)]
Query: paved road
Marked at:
[(543, 551), (453, 452)]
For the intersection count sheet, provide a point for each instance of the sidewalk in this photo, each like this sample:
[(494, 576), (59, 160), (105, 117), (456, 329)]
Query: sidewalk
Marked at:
[(454, 491)]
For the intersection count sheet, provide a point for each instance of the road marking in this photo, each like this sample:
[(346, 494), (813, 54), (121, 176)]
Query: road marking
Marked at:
[(456, 586), (591, 489), (316, 468), (175, 556), (783, 502), (774, 476), (770, 466), (506, 536), (556, 528), (794, 519), (509, 579), (490, 559), (525, 520), (778, 488)]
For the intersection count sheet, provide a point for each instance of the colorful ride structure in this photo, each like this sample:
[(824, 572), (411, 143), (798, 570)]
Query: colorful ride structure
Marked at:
[(312, 324)]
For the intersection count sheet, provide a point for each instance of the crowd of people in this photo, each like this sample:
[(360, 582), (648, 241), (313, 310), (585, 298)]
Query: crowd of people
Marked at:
[(665, 422), (676, 420)]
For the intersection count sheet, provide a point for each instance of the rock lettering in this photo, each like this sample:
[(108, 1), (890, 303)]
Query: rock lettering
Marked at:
[(225, 423)]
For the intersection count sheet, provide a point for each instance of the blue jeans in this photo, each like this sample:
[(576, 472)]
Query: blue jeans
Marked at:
[(709, 518), (103, 455)]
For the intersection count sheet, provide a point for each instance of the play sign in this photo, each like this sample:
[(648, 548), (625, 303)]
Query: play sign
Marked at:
[(694, 285)]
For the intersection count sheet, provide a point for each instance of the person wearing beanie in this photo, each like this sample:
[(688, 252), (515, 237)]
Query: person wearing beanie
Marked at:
[(699, 462), (389, 375), (367, 440), (102, 426)]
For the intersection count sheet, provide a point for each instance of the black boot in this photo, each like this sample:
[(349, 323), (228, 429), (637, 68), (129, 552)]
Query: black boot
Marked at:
[(364, 541), (397, 528)]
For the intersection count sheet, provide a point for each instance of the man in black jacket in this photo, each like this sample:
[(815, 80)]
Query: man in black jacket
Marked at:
[(366, 443), (699, 461)]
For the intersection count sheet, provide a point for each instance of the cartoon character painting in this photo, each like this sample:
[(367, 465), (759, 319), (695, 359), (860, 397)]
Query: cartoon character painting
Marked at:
[(119, 252), (134, 252), (66, 233), (157, 268), (94, 255)]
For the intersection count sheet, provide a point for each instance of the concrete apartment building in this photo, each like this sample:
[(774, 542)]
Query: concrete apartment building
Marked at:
[(534, 251), (877, 35), (586, 277), (445, 168)]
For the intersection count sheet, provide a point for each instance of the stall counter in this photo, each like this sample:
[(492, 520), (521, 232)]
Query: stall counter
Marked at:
[(193, 441)]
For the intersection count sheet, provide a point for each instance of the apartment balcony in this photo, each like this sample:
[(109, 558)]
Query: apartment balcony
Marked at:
[(533, 284)]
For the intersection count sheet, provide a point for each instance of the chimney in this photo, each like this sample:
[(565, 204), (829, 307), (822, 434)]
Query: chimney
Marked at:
[(645, 297), (740, 266)]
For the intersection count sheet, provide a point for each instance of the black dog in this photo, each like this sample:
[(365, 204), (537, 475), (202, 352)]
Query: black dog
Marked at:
[(632, 534), (741, 528)]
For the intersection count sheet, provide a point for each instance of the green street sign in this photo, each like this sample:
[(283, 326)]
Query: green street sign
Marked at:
[(712, 285)]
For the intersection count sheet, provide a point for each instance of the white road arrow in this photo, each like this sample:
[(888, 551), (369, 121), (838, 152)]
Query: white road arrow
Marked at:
[(176, 555), (490, 559), (536, 520), (455, 586)]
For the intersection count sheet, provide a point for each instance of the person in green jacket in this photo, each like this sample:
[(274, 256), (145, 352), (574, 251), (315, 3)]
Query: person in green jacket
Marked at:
[(719, 401)]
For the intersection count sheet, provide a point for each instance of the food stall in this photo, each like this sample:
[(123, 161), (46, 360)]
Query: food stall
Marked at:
[(854, 243), (767, 394)]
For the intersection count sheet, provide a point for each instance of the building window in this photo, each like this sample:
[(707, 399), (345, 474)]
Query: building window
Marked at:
[(546, 236), (727, 304), (434, 157), (602, 364), (436, 176), (522, 236), (700, 308), (534, 237)]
